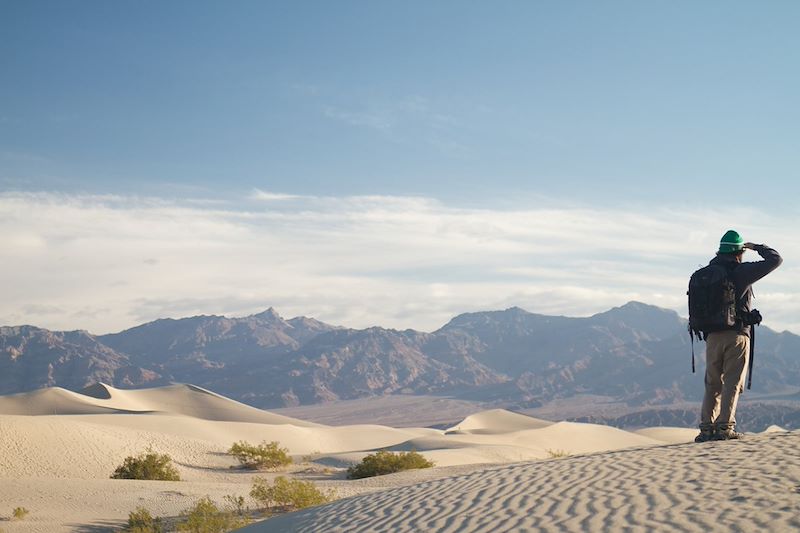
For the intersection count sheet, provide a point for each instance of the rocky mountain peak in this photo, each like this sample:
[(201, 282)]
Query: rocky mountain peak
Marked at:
[(270, 315), (648, 320)]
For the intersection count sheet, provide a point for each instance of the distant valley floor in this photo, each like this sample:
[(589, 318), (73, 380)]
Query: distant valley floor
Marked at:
[(755, 413)]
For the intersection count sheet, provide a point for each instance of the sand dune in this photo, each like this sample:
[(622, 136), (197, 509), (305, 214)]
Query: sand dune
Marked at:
[(59, 448), (750, 485), (187, 400), (53, 401), (490, 445), (496, 421)]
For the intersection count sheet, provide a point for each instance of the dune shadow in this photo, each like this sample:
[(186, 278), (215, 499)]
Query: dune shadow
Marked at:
[(219, 454), (321, 476), (168, 523), (204, 468), (232, 469), (100, 526)]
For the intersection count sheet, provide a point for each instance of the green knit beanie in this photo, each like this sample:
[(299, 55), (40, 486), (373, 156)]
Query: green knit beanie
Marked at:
[(731, 243)]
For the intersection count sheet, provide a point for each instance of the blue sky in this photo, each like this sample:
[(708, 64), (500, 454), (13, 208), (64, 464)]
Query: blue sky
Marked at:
[(447, 112)]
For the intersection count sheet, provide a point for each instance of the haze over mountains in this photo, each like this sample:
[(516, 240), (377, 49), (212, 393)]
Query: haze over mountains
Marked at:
[(637, 353)]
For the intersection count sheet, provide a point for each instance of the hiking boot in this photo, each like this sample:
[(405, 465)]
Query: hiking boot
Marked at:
[(727, 432), (706, 433)]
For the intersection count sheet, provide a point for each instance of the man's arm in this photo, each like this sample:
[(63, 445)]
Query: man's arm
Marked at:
[(751, 272)]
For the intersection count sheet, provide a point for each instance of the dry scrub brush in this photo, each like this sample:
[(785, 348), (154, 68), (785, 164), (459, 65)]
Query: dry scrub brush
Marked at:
[(385, 462), (557, 454), (205, 517), (267, 455), (288, 494), (147, 465), (202, 517), (141, 521)]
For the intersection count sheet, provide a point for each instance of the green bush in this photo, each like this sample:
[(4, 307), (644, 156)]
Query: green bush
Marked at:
[(266, 455), (289, 493), (147, 465), (236, 503), (20, 512), (205, 517), (385, 462), (141, 521)]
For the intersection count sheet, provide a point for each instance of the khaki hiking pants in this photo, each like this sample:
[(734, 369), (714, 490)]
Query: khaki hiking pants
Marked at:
[(727, 353)]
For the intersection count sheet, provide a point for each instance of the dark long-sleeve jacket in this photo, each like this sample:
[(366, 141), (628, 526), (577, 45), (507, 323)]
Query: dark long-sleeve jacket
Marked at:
[(747, 273)]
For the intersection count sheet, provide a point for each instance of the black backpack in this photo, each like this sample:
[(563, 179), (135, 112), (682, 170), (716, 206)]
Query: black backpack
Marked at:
[(712, 302)]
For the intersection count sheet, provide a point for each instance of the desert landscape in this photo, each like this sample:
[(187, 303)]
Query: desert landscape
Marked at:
[(398, 266), (495, 467)]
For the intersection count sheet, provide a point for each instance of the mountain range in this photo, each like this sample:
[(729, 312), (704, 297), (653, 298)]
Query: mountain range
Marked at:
[(637, 353)]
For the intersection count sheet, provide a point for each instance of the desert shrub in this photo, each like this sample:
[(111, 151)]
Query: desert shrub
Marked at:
[(141, 521), (205, 517), (236, 503), (19, 513), (557, 454), (147, 465), (289, 493), (266, 455), (385, 462)]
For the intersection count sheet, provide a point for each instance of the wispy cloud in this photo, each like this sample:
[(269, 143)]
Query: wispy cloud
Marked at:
[(410, 119), (110, 262), (267, 196), (381, 120)]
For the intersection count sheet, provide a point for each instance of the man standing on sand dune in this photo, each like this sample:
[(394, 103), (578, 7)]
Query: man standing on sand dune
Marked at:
[(728, 346)]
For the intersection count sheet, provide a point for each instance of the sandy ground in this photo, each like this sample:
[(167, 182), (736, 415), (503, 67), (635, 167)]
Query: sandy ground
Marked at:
[(750, 485), (59, 448)]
